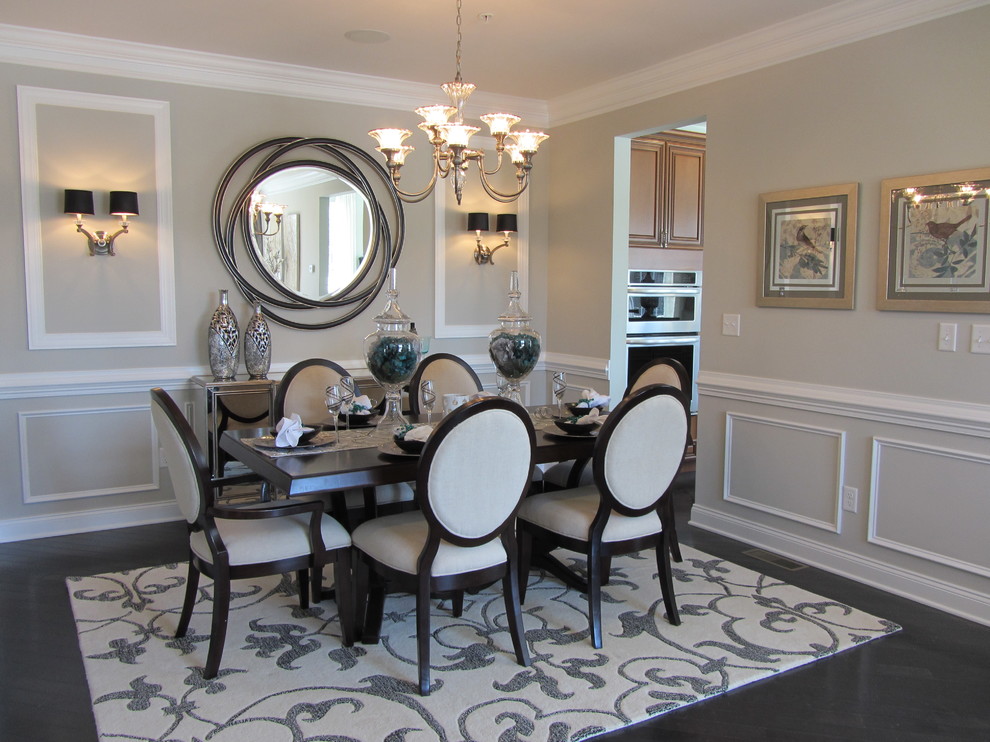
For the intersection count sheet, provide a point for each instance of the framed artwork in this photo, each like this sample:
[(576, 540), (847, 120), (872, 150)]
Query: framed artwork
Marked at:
[(934, 251), (809, 247)]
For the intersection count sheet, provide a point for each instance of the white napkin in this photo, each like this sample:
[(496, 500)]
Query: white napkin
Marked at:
[(591, 398), (289, 430), (361, 405), (594, 416), (419, 433)]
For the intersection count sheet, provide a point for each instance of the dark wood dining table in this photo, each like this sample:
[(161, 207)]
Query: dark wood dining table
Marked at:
[(332, 469)]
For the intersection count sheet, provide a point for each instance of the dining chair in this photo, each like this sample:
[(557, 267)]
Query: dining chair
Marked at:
[(637, 454), (302, 390), (229, 543), (450, 374), (473, 472), (577, 473)]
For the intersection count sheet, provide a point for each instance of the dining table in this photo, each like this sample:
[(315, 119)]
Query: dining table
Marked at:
[(364, 457)]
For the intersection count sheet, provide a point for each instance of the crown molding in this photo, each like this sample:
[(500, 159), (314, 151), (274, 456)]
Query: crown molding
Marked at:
[(831, 27), (77, 53)]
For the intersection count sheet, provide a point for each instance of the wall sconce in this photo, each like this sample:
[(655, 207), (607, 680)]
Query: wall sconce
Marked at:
[(478, 223), (122, 204), (264, 211)]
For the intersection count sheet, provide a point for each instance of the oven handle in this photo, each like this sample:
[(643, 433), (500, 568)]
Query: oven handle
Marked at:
[(664, 292), (647, 340)]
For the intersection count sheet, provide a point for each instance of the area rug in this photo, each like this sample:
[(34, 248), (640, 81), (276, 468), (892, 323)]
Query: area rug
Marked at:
[(285, 675)]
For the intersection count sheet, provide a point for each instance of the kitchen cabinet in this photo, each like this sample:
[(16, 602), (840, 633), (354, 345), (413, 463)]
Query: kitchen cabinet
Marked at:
[(667, 191)]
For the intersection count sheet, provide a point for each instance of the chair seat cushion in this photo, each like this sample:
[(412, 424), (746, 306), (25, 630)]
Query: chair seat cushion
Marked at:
[(269, 539), (571, 512), (397, 541), (558, 473)]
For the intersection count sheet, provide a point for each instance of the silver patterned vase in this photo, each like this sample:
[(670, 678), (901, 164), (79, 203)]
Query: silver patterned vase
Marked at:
[(223, 341), (257, 345)]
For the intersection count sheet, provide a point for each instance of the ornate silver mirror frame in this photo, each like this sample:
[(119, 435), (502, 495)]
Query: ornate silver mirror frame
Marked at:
[(234, 228)]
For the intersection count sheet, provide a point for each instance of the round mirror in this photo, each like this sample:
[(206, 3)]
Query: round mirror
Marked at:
[(319, 225)]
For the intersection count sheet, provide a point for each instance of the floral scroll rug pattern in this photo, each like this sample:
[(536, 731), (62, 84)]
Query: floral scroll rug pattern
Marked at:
[(285, 675)]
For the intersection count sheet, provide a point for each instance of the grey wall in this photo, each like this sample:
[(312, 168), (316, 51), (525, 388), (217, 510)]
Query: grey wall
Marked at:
[(804, 391)]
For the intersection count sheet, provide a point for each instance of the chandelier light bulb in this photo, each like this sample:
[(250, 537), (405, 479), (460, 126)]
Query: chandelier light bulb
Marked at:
[(390, 138)]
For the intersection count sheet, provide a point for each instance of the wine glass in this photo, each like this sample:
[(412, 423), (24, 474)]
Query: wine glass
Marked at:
[(559, 387), (334, 401), (347, 398), (429, 396)]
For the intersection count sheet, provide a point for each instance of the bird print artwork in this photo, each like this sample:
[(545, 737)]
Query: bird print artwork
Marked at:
[(805, 250), (943, 240)]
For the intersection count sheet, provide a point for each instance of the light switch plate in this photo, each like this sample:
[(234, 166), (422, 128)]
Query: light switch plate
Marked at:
[(730, 324), (947, 335), (980, 339)]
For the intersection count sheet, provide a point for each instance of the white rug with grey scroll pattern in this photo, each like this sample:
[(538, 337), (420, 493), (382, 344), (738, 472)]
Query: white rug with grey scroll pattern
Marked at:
[(285, 675)]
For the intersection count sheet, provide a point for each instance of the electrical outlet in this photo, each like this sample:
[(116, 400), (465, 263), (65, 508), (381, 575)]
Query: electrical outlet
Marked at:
[(850, 499), (980, 339), (730, 324), (947, 335)]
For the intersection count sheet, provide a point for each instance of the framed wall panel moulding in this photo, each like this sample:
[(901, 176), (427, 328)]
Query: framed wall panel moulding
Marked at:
[(98, 143), (808, 240), (934, 247)]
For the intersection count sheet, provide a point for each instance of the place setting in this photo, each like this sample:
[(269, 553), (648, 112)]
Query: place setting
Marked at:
[(580, 419)]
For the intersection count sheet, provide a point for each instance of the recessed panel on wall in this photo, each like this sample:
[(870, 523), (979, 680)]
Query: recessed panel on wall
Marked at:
[(469, 296), (68, 454), (787, 469), (931, 502), (96, 143)]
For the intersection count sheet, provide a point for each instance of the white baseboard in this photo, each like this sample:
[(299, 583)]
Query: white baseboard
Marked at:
[(953, 599), (44, 526)]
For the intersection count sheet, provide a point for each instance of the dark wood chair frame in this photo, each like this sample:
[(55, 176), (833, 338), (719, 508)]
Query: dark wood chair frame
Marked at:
[(424, 367), (374, 579), (534, 540), (309, 568)]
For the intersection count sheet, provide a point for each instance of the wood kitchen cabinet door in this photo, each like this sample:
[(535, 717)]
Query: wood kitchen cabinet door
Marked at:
[(666, 193)]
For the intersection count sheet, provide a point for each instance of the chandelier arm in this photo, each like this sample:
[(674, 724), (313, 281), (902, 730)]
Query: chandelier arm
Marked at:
[(498, 195), (498, 167)]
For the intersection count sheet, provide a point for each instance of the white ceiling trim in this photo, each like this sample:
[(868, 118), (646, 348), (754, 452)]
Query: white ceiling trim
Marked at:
[(828, 28), (78, 53)]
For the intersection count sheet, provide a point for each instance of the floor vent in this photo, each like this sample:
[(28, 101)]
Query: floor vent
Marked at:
[(775, 559)]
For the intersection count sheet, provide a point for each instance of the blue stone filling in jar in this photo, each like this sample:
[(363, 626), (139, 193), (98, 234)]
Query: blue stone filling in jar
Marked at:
[(392, 360), (514, 355)]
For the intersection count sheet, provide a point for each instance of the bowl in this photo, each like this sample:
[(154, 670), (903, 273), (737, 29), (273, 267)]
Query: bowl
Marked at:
[(309, 433), (581, 411), (408, 446), (356, 420), (576, 428)]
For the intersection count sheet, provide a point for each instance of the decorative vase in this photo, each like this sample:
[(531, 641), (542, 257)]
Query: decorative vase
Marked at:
[(257, 345), (514, 346), (223, 341), (392, 354)]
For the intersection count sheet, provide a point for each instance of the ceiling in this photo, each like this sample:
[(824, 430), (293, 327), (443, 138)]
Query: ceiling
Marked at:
[(530, 48), (541, 50)]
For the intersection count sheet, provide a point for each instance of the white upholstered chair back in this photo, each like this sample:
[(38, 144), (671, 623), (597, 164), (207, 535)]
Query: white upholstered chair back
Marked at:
[(659, 373), (645, 449), (182, 469), (304, 391), (449, 374), (479, 472)]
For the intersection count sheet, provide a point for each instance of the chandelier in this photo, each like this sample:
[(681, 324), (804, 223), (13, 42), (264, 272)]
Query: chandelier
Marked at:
[(450, 139)]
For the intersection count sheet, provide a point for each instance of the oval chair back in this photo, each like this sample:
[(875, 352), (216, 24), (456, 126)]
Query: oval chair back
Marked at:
[(667, 371), (187, 465), (449, 374), (303, 390)]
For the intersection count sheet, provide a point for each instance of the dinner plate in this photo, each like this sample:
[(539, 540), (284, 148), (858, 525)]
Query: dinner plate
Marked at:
[(320, 440), (391, 449), (569, 436)]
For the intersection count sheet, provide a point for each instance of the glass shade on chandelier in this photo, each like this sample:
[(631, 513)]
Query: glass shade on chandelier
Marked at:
[(450, 139)]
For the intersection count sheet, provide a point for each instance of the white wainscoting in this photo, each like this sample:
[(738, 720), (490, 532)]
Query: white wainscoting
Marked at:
[(952, 528), (909, 484), (789, 470), (99, 450)]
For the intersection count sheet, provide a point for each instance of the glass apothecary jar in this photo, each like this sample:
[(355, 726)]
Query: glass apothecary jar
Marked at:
[(514, 346), (392, 353)]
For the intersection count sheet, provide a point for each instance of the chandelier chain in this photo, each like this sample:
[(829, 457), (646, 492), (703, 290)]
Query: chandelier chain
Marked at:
[(457, 56)]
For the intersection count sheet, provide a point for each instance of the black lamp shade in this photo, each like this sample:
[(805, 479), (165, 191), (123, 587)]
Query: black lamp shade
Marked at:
[(477, 222), (506, 223), (123, 203), (78, 202)]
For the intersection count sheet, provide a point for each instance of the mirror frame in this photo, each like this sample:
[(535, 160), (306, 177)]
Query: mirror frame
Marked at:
[(366, 175)]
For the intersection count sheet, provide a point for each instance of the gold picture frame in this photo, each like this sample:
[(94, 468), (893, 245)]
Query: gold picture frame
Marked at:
[(809, 247), (934, 249)]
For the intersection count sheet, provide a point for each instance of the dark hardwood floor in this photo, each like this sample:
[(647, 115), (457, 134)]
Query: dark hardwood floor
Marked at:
[(929, 682)]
